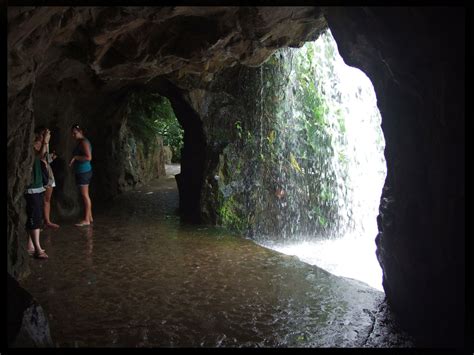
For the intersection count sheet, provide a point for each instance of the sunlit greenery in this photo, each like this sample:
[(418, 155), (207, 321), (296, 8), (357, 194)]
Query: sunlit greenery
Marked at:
[(151, 115), (287, 148), (306, 137)]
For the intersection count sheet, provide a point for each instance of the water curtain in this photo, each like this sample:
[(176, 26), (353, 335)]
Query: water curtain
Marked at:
[(312, 167)]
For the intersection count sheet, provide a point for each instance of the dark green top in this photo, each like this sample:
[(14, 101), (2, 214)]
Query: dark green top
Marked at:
[(36, 184)]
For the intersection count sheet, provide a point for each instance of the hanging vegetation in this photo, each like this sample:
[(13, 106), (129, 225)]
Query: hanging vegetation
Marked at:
[(290, 153)]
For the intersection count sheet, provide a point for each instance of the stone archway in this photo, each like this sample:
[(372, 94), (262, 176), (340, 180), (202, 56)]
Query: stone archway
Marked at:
[(190, 179)]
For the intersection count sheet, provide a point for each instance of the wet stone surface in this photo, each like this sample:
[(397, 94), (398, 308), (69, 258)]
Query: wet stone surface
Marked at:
[(140, 278)]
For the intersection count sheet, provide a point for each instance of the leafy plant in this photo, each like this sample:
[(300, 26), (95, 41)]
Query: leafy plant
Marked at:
[(151, 115), (291, 145), (238, 127)]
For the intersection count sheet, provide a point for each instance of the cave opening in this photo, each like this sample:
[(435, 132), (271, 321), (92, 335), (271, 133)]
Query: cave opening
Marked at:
[(305, 176), (353, 163), (158, 116), (152, 115), (152, 121)]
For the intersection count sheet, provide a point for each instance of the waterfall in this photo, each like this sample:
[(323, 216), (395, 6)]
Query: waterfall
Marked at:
[(306, 172), (331, 167)]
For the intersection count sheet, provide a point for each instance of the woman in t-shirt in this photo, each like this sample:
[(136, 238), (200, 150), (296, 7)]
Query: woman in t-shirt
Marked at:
[(47, 159), (34, 196)]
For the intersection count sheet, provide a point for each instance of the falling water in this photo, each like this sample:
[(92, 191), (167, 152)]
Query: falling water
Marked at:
[(335, 232)]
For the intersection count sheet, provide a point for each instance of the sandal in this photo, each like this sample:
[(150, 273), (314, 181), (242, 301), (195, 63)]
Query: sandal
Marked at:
[(82, 224), (41, 255), (31, 252)]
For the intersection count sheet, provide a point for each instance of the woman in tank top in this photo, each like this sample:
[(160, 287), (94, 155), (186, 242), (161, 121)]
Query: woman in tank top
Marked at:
[(81, 162)]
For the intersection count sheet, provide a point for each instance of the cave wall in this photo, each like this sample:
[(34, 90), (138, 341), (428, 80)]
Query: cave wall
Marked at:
[(414, 57), (240, 176), (27, 322), (62, 98), (223, 104), (416, 64), (138, 164), (26, 52)]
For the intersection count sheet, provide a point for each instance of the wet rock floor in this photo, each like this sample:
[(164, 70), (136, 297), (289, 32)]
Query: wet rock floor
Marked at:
[(141, 278)]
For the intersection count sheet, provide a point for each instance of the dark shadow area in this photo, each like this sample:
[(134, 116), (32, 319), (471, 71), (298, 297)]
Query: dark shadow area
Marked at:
[(193, 154)]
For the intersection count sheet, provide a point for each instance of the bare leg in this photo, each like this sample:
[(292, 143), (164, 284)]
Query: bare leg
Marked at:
[(87, 205), (34, 242), (47, 208), (30, 247)]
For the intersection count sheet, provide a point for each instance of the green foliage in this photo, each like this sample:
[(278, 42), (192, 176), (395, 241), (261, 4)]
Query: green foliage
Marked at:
[(238, 127), (294, 163), (169, 128), (140, 119), (301, 136), (230, 216), (271, 137), (289, 143), (152, 115)]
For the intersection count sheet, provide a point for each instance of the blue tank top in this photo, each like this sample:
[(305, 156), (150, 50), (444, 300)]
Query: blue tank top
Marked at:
[(82, 166)]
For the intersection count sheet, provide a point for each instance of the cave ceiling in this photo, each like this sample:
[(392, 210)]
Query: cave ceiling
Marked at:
[(122, 46)]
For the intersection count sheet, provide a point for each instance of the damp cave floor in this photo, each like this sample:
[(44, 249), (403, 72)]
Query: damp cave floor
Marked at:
[(139, 277)]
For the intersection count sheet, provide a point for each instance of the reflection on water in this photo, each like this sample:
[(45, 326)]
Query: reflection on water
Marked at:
[(140, 278), (350, 256)]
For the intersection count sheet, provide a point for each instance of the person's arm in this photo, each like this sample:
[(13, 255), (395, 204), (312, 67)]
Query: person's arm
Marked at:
[(44, 145)]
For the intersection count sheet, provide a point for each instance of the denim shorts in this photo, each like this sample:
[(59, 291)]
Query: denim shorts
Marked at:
[(83, 178)]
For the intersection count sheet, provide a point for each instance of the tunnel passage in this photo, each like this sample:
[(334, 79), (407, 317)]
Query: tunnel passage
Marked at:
[(415, 64), (193, 154), (120, 161)]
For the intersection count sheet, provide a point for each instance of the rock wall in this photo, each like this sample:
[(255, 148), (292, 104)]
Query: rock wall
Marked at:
[(26, 52), (139, 165), (27, 323), (417, 68), (130, 162), (167, 153), (225, 103), (62, 98), (238, 188)]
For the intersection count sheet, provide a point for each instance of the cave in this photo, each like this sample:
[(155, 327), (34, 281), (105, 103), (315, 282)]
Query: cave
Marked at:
[(79, 64)]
